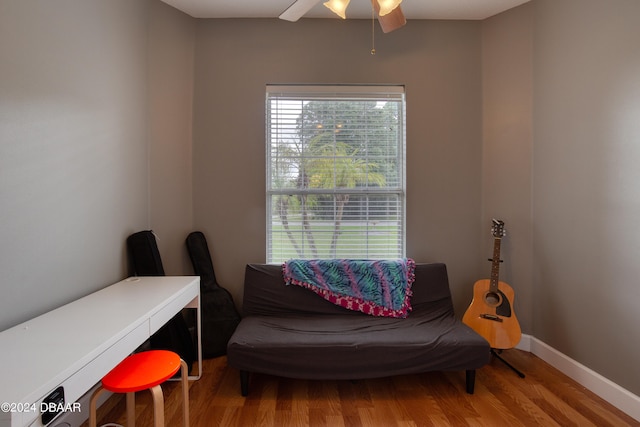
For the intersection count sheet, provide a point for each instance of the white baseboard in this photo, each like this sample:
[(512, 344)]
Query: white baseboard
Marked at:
[(619, 397)]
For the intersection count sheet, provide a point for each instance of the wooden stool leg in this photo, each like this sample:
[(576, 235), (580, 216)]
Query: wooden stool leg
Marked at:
[(184, 369), (93, 417), (131, 409), (158, 406)]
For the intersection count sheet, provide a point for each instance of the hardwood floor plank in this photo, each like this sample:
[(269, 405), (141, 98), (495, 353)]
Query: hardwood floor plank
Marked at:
[(600, 416), (507, 387), (563, 411), (544, 398), (452, 400), (325, 398)]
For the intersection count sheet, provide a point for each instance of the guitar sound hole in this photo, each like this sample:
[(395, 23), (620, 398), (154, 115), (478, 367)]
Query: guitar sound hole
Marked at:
[(493, 299)]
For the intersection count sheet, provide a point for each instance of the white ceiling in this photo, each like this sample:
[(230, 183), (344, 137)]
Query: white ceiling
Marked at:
[(361, 9)]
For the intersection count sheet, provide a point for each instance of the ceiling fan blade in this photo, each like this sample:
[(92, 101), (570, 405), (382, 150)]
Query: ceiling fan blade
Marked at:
[(298, 9), (391, 21)]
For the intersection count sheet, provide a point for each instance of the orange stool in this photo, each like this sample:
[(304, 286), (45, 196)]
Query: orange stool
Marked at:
[(142, 371)]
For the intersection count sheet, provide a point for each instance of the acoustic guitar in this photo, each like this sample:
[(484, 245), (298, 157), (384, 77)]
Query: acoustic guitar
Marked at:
[(491, 311)]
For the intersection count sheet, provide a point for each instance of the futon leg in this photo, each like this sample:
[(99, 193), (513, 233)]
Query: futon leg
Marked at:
[(244, 383), (471, 380)]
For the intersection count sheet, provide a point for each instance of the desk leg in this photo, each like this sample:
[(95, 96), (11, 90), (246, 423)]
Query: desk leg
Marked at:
[(195, 303)]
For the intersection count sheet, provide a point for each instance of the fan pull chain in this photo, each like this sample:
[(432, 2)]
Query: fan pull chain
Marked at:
[(373, 30)]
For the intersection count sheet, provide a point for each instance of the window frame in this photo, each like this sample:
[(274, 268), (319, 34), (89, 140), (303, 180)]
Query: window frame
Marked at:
[(395, 93)]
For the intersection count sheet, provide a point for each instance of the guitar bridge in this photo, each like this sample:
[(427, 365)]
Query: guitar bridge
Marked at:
[(491, 317)]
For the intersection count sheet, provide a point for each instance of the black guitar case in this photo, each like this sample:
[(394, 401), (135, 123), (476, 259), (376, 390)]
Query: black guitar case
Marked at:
[(218, 311), (145, 261)]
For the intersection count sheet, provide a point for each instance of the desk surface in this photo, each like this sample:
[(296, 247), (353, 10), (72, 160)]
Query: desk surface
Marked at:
[(42, 353)]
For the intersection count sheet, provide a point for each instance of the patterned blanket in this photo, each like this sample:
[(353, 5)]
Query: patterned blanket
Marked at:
[(378, 287)]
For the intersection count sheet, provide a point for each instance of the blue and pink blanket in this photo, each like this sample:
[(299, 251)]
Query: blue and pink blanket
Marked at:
[(375, 287)]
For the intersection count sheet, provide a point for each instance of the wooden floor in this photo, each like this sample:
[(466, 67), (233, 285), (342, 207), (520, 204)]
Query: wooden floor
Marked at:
[(544, 398)]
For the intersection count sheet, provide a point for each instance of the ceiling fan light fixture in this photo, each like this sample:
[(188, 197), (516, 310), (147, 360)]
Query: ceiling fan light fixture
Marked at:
[(387, 6), (339, 7)]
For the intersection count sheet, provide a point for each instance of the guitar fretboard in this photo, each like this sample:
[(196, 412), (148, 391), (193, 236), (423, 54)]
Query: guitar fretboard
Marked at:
[(495, 265)]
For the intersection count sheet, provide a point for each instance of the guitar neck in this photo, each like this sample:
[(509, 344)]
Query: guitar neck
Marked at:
[(495, 265)]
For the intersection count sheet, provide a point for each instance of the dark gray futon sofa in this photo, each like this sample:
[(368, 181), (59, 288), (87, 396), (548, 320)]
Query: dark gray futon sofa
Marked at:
[(290, 331)]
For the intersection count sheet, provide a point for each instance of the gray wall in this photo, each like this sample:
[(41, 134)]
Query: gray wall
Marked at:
[(561, 145), (73, 148), (439, 62), (170, 82), (586, 183), (75, 143), (507, 148)]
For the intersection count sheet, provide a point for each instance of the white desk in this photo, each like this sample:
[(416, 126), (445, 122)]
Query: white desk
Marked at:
[(75, 345)]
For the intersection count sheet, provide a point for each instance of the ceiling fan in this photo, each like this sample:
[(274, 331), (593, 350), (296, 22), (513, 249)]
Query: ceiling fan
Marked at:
[(389, 13)]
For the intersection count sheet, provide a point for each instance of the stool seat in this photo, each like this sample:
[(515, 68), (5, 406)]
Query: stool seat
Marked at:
[(144, 371), (141, 371)]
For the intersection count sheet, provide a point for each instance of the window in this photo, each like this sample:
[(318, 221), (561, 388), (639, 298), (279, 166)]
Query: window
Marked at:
[(335, 172)]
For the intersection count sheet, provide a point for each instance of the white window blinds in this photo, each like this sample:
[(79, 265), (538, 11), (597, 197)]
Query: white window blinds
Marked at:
[(335, 172)]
